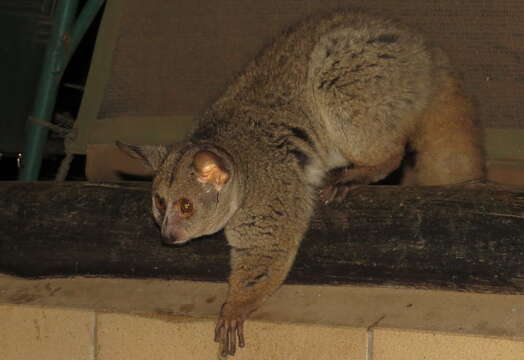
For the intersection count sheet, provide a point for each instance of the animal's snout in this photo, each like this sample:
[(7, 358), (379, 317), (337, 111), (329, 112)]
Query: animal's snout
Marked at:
[(172, 235)]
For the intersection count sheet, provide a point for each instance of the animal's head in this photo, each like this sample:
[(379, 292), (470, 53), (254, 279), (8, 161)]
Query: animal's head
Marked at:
[(195, 192)]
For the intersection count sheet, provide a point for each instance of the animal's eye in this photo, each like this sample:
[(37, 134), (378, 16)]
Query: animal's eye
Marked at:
[(160, 204), (186, 207)]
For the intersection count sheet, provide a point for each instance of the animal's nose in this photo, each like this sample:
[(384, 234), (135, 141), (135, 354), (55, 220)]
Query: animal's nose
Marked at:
[(167, 240), (167, 236), (173, 236)]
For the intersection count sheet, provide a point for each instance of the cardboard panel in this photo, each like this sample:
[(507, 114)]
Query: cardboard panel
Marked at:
[(174, 57)]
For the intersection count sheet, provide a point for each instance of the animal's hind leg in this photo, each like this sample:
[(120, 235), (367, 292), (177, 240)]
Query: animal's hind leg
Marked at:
[(447, 142), (340, 181)]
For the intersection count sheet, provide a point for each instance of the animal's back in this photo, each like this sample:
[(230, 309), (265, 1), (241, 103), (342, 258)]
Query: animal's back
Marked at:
[(368, 80), (358, 88)]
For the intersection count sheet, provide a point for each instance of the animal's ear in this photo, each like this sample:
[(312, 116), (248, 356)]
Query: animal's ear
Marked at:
[(151, 155), (210, 169)]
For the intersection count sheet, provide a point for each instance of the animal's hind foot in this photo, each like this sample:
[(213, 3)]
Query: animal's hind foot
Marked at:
[(336, 192)]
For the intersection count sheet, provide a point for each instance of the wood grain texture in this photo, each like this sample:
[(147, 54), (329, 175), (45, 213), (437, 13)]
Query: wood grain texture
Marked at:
[(468, 237)]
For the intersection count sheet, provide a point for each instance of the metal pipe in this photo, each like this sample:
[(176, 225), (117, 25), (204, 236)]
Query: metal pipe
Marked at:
[(52, 69), (62, 43), (84, 20)]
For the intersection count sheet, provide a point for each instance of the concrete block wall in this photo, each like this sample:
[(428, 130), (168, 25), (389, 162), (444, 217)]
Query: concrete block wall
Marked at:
[(77, 322), (29, 332)]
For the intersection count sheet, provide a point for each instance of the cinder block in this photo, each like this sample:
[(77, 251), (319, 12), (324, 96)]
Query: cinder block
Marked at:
[(135, 337), (303, 341), (413, 345), (126, 336), (45, 334)]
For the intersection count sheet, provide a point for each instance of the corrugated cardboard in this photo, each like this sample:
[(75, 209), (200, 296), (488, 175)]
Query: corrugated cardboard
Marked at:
[(174, 57)]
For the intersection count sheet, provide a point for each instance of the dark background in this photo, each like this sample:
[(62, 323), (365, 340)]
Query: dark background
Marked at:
[(69, 95)]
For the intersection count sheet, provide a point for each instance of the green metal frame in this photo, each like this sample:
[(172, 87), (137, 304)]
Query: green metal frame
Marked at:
[(65, 37)]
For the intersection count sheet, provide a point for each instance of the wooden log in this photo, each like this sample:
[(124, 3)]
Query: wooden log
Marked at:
[(468, 237)]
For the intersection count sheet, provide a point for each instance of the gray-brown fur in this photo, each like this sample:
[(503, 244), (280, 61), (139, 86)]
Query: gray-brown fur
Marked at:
[(347, 92)]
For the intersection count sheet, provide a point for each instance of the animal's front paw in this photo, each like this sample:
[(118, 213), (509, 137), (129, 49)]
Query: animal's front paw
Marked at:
[(230, 326)]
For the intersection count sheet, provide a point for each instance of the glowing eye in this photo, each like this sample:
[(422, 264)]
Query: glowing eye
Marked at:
[(186, 207), (160, 204)]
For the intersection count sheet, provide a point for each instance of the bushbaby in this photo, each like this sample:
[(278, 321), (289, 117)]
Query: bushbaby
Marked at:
[(336, 101)]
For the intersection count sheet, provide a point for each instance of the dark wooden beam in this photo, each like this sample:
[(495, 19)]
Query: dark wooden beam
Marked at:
[(468, 237)]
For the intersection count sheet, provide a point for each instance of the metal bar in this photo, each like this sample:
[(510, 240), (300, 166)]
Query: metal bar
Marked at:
[(52, 69), (64, 40), (84, 20)]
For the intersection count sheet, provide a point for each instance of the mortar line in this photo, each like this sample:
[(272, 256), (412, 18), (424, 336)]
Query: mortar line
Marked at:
[(371, 338), (95, 335), (369, 345)]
